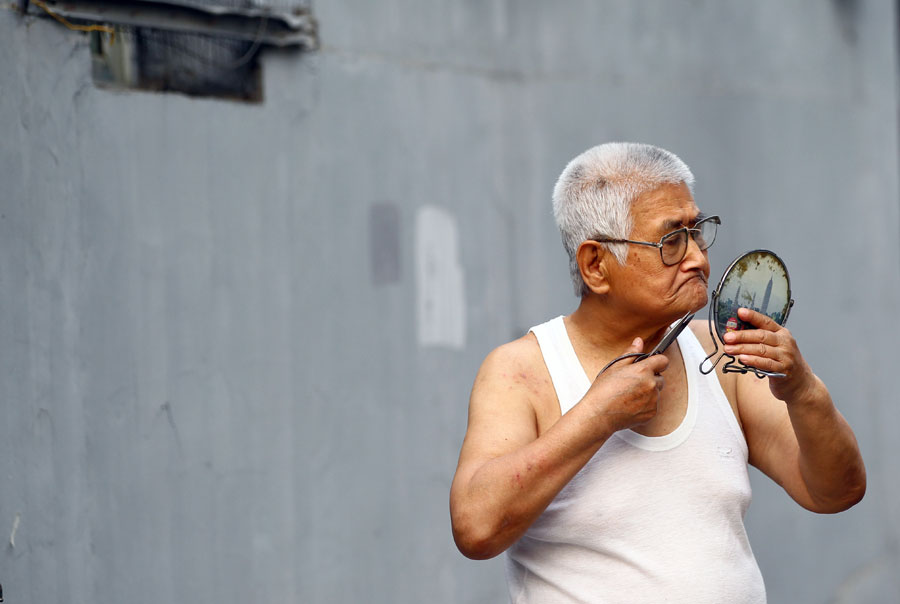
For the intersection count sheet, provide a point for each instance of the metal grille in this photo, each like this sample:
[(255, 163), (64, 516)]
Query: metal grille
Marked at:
[(194, 64), (197, 64)]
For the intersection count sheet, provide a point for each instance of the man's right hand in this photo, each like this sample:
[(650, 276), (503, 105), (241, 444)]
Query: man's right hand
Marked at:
[(627, 393), (517, 456)]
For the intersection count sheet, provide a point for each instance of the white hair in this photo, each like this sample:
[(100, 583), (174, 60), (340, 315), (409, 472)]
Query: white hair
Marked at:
[(593, 195)]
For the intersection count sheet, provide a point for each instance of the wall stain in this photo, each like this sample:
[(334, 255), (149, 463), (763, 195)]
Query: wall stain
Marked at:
[(848, 14), (166, 408)]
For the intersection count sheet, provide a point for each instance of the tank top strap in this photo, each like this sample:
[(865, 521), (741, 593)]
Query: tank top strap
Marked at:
[(708, 386), (566, 372)]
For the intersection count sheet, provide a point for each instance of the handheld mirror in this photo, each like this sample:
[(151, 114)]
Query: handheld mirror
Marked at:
[(757, 280)]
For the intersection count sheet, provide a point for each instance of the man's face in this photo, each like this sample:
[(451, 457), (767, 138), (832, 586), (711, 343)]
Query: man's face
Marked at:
[(644, 283)]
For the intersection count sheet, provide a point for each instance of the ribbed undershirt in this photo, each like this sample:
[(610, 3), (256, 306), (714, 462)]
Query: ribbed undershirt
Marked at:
[(647, 519)]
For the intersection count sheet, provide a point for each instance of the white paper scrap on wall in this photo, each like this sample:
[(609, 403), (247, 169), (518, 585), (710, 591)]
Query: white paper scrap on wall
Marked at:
[(440, 282)]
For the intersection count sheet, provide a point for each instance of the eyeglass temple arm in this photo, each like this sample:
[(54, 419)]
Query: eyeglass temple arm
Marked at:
[(649, 243)]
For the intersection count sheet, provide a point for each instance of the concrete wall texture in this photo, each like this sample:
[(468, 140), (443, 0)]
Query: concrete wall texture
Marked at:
[(237, 340)]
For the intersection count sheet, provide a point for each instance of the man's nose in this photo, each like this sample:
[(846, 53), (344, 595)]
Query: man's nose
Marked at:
[(694, 256)]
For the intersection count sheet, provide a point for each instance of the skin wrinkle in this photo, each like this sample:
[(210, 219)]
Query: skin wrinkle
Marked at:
[(643, 271)]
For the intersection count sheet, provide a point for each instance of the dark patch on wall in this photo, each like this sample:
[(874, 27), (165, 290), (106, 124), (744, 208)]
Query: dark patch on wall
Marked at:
[(848, 14), (384, 243)]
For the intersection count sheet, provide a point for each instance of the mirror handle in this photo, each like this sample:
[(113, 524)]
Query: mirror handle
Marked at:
[(787, 313), (735, 366), (712, 336), (711, 367)]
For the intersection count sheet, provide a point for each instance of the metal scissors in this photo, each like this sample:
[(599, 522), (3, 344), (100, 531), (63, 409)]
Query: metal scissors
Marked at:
[(666, 341)]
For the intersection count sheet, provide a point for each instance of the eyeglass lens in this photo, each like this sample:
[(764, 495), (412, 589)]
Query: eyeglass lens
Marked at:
[(674, 245)]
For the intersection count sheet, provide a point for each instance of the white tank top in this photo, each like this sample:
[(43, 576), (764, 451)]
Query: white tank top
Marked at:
[(647, 519)]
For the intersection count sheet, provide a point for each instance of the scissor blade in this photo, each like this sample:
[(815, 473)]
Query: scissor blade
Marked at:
[(670, 336)]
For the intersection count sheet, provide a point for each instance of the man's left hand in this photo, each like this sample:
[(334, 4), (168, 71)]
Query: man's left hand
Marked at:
[(771, 347)]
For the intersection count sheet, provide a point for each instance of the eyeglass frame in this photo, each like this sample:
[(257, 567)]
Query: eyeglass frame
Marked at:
[(688, 231)]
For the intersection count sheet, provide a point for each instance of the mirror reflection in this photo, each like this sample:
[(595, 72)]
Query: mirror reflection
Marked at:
[(757, 280)]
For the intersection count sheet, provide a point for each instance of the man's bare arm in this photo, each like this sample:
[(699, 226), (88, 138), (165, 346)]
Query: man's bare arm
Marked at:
[(795, 433), (508, 473)]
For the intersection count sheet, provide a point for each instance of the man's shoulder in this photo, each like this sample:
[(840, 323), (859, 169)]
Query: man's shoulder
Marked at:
[(520, 353), (516, 364), (517, 371)]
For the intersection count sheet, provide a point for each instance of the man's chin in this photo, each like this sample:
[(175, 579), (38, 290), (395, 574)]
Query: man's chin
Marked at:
[(699, 294), (701, 301)]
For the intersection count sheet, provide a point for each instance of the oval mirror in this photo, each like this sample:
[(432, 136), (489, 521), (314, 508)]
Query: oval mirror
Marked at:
[(757, 280)]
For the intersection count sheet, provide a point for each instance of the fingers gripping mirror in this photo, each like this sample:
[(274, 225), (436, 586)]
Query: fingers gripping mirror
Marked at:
[(757, 280)]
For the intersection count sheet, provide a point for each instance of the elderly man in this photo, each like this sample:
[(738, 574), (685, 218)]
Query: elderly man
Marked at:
[(632, 486)]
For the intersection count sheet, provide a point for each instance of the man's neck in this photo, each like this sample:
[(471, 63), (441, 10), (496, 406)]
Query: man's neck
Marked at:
[(609, 332)]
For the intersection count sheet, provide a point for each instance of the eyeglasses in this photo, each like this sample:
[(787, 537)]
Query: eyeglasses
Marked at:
[(673, 246)]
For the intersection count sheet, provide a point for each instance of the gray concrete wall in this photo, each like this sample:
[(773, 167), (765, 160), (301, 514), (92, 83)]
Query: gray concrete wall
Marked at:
[(236, 341)]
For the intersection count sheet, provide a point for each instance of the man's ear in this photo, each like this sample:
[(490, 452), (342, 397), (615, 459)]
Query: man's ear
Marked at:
[(592, 258)]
